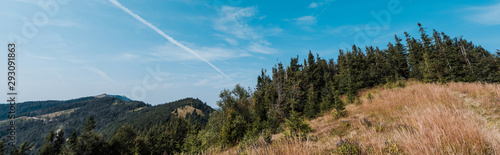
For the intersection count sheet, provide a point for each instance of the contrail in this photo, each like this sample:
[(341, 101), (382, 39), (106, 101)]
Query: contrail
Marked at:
[(172, 40)]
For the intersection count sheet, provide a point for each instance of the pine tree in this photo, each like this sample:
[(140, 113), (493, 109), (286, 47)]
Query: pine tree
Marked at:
[(3, 146), (90, 142), (72, 143), (59, 142), (23, 149), (311, 109), (48, 147), (89, 125), (123, 140), (297, 127)]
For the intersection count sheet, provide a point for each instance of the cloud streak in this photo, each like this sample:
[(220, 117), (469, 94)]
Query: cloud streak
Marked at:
[(170, 39), (99, 72), (488, 15)]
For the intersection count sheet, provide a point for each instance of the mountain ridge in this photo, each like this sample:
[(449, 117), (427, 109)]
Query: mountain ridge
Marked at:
[(36, 118)]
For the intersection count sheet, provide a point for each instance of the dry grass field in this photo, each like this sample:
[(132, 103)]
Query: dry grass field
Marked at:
[(453, 118)]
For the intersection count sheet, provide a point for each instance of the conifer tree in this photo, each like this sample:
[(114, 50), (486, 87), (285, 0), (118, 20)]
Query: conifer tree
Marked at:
[(23, 149), (48, 147), (3, 146), (123, 140), (90, 142)]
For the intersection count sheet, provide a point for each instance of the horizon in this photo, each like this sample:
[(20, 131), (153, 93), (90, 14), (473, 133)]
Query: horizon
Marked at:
[(199, 48)]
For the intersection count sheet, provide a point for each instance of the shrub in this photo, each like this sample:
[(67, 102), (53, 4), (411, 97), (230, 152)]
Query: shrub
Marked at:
[(342, 129), (392, 148), (369, 97), (406, 127), (348, 147), (366, 122), (401, 84), (380, 127), (339, 114)]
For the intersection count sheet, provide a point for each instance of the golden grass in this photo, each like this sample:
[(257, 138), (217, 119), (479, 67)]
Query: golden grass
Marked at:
[(455, 118), (183, 111)]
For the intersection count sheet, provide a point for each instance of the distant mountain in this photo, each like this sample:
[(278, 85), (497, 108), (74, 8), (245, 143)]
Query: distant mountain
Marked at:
[(34, 119), (121, 97)]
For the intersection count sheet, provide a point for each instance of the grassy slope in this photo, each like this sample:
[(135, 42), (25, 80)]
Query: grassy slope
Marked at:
[(457, 118)]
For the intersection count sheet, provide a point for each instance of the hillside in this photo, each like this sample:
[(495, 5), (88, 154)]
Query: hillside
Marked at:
[(36, 118), (144, 118), (456, 118)]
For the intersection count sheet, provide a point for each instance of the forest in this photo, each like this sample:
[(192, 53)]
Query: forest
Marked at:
[(285, 97)]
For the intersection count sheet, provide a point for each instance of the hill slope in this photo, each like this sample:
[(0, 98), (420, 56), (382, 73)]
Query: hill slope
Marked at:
[(35, 119), (457, 118)]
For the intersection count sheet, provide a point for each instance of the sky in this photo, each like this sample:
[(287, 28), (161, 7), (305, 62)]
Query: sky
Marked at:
[(158, 51)]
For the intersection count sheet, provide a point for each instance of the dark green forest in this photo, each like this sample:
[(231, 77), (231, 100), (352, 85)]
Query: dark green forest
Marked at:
[(282, 98), (110, 113)]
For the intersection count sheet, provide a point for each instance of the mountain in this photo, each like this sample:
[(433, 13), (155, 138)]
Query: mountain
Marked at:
[(121, 97), (34, 119)]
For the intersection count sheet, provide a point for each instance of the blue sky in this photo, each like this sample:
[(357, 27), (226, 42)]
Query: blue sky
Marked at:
[(72, 48)]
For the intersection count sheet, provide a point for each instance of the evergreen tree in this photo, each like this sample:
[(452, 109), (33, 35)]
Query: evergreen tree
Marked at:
[(23, 149), (311, 109), (89, 142), (3, 146), (59, 142), (297, 127), (123, 140), (48, 147), (72, 143)]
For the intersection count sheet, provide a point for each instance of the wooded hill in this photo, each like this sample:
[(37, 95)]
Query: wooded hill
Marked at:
[(36, 118)]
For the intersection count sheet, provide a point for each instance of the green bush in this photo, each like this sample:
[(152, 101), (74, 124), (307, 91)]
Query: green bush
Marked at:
[(342, 129), (339, 114), (348, 147), (380, 127), (401, 84), (392, 148), (369, 97)]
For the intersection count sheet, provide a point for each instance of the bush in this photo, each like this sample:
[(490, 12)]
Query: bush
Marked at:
[(380, 127), (348, 147), (392, 148), (339, 114), (401, 84), (369, 97), (406, 127), (366, 122), (342, 129)]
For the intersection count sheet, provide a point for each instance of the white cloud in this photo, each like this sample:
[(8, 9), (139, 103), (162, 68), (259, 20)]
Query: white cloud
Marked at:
[(305, 20), (232, 42), (487, 15), (101, 73), (127, 56), (348, 30), (172, 53), (234, 22), (313, 5), (202, 82), (320, 3), (170, 39), (259, 48)]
